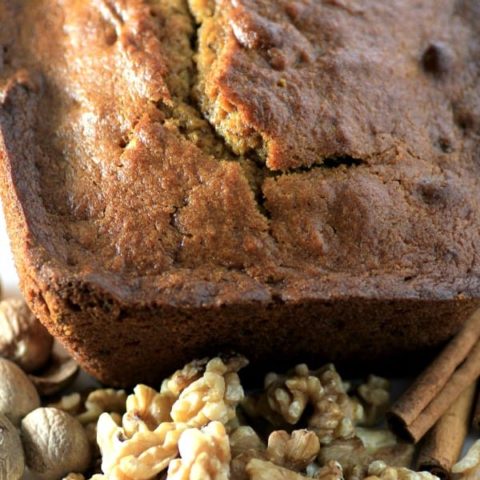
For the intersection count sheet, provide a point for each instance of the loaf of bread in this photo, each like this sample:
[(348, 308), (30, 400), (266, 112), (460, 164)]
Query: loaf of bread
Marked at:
[(282, 178)]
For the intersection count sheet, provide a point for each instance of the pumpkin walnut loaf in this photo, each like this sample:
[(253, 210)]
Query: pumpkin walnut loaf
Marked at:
[(283, 178)]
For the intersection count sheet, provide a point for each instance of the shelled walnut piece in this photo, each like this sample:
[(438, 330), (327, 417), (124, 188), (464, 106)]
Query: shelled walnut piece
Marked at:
[(144, 442), (204, 454), (287, 396), (214, 396), (191, 429), (100, 401), (264, 470), (380, 471), (375, 397), (294, 451)]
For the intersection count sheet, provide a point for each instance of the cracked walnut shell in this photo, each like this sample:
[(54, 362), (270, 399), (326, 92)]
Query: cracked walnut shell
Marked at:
[(23, 339)]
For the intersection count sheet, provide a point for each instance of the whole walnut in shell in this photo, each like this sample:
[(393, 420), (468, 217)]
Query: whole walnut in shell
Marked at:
[(12, 459), (18, 396), (23, 339), (55, 443)]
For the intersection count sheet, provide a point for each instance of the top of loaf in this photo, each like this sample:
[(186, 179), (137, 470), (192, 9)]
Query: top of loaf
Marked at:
[(238, 149)]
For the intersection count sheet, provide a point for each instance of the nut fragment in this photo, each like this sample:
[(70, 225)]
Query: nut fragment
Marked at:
[(205, 455), (146, 409), (468, 468), (12, 459), (146, 440), (334, 412), (55, 443), (213, 397), (263, 470), (294, 451), (17, 394), (356, 454), (181, 379), (71, 403), (375, 396), (375, 439), (348, 453), (331, 471), (23, 339), (243, 439), (142, 456), (379, 470), (102, 400), (245, 444)]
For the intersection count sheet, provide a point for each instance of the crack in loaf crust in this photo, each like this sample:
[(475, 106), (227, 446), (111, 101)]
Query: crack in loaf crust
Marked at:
[(160, 156)]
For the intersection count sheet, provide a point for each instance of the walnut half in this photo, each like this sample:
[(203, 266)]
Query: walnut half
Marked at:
[(294, 451), (379, 470), (205, 454)]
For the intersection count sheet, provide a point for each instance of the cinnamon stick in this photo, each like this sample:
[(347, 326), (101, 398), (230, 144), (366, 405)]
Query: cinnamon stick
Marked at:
[(476, 412), (443, 443), (434, 391)]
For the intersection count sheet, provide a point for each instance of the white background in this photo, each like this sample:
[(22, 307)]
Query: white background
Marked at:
[(8, 275)]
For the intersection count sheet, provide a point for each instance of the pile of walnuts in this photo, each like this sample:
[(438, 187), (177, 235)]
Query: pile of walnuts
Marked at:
[(199, 425)]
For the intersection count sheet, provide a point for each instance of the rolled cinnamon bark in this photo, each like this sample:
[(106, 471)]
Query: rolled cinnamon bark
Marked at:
[(476, 412), (443, 443), (434, 391)]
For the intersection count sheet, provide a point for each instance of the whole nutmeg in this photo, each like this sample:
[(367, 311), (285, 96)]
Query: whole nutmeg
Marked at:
[(12, 459), (23, 339), (18, 396), (55, 443)]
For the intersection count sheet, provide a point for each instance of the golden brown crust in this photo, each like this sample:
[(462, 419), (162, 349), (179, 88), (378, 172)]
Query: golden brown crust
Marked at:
[(127, 209), (302, 81)]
